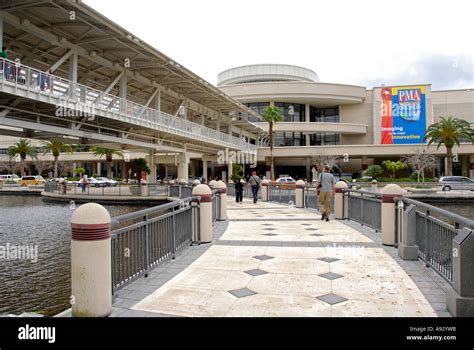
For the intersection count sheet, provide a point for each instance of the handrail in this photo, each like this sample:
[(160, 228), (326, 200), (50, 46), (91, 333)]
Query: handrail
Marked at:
[(93, 98), (446, 214), (141, 213), (374, 194)]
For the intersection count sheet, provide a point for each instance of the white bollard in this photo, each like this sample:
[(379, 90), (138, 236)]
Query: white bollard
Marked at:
[(91, 275), (196, 182), (212, 184), (339, 200), (299, 193), (205, 212), (222, 188), (265, 190), (389, 193)]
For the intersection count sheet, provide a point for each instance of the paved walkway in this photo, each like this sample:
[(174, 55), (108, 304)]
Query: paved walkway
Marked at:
[(271, 260)]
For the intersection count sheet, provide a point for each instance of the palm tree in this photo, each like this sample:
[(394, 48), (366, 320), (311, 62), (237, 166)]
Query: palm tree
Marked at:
[(141, 166), (449, 132), (393, 167), (272, 115), (56, 147), (22, 148), (109, 154)]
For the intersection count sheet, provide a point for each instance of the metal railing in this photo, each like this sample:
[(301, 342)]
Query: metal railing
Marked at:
[(180, 191), (142, 240), (152, 189), (46, 87), (284, 194), (363, 207), (435, 231)]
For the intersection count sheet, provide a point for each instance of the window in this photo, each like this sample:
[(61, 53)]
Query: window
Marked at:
[(322, 139), (324, 115), (288, 139), (292, 112)]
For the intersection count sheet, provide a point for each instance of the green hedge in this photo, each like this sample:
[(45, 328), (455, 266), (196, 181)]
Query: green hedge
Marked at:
[(402, 179)]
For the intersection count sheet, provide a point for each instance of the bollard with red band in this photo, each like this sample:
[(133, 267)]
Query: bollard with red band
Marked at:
[(205, 212), (222, 188), (265, 190), (339, 212), (299, 193), (389, 193), (91, 270)]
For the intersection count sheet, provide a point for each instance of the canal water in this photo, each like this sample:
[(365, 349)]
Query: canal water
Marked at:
[(42, 286)]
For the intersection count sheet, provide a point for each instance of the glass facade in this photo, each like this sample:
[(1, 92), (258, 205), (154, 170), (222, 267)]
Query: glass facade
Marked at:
[(324, 115), (292, 112), (285, 139), (325, 139), (257, 107)]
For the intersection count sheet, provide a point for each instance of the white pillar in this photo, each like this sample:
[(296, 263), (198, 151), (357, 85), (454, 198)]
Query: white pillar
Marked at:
[(307, 120), (229, 172), (99, 169), (389, 193), (183, 167), (91, 270), (265, 190), (204, 169), (339, 200)]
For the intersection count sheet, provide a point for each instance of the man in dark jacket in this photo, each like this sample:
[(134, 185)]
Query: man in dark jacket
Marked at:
[(239, 191)]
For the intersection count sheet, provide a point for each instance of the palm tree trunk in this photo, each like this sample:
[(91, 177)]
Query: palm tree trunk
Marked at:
[(109, 169), (22, 166), (56, 166), (272, 165), (449, 156)]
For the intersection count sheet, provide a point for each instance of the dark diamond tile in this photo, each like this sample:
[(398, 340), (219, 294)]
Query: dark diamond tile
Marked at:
[(305, 224), (263, 257), (270, 229), (331, 276), (312, 229), (242, 293), (269, 234), (329, 260), (256, 272), (316, 235), (332, 299)]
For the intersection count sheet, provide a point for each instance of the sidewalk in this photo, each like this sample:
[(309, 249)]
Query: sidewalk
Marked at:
[(276, 261)]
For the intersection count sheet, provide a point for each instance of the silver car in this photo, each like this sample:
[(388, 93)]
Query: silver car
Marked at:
[(448, 183)]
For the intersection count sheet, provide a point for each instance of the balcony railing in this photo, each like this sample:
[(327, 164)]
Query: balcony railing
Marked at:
[(39, 85)]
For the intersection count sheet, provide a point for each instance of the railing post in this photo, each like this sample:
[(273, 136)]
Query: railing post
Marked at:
[(91, 262), (173, 236), (265, 188), (205, 212), (147, 241), (407, 248), (460, 298), (389, 193), (339, 200), (222, 188), (299, 193)]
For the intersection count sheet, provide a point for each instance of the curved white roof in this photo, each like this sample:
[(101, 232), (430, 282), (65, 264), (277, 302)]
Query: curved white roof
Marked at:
[(266, 72)]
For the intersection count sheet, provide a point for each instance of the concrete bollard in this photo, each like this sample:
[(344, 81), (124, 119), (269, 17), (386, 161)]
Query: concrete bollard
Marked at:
[(91, 270), (212, 184), (205, 212), (339, 200), (265, 190), (222, 212), (374, 186), (299, 193), (407, 248), (354, 184), (389, 193), (196, 182)]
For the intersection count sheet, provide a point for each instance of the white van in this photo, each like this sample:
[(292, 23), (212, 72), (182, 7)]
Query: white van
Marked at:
[(11, 177)]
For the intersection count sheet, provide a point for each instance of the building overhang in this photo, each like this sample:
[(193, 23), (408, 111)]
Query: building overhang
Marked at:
[(315, 127)]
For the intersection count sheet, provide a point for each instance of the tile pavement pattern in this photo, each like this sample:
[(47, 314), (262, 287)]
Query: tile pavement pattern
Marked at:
[(343, 270)]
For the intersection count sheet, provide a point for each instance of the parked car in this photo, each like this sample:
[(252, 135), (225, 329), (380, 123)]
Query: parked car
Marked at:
[(31, 181), (284, 180), (9, 177), (448, 183), (108, 182)]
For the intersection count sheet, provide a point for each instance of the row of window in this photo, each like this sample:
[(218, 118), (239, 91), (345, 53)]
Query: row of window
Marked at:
[(288, 139), (295, 112)]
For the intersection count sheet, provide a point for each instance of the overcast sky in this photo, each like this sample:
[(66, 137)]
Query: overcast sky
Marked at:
[(353, 42)]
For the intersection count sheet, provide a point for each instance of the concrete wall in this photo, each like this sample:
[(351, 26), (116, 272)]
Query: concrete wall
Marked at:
[(456, 103)]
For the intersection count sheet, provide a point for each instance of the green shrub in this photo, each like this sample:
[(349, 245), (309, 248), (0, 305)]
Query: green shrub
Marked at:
[(374, 171)]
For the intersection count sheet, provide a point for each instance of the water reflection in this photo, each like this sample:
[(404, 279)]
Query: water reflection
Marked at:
[(43, 286)]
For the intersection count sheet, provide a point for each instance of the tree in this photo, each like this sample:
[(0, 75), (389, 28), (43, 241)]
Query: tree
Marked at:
[(419, 162), (449, 132), (109, 154), (321, 159), (80, 171), (22, 149), (41, 166), (374, 171), (393, 167), (56, 147), (272, 115), (140, 166)]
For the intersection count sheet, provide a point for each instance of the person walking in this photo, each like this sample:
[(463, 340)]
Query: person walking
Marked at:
[(84, 183), (239, 191), (326, 185), (254, 182)]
